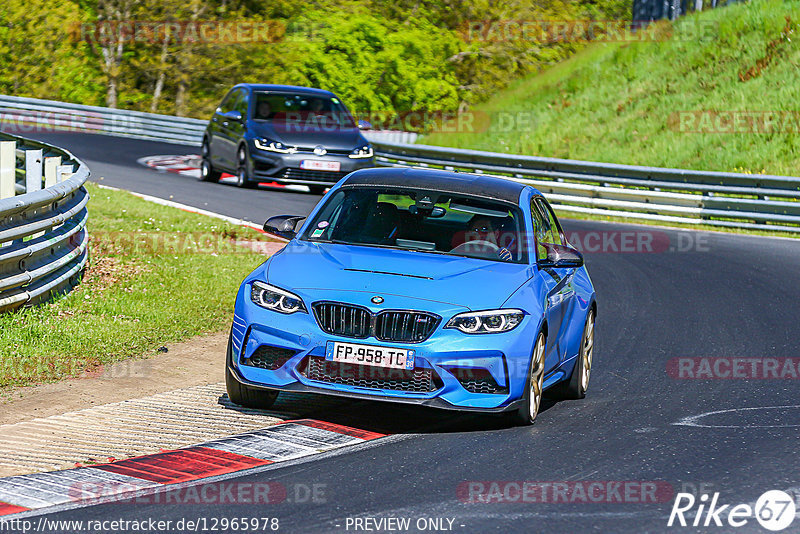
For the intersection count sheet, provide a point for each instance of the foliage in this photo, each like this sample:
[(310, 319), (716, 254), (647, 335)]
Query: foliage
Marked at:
[(39, 56), (403, 56)]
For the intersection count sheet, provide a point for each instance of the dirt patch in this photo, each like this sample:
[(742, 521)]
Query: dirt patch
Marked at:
[(195, 362)]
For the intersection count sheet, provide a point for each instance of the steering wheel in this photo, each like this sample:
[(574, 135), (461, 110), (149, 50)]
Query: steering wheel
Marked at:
[(479, 244)]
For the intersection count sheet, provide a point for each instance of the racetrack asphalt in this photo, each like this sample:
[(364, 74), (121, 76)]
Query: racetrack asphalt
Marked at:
[(707, 295)]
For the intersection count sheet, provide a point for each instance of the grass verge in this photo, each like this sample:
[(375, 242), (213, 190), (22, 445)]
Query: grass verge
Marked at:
[(621, 102), (670, 103), (156, 275)]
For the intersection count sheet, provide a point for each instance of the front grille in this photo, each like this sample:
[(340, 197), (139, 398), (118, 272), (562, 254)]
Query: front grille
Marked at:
[(404, 326), (334, 152), (267, 357), (348, 320), (343, 319), (419, 380), (308, 175), (477, 380)]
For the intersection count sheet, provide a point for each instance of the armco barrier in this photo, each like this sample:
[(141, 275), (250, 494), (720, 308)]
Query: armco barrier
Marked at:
[(43, 239), (31, 114), (752, 201)]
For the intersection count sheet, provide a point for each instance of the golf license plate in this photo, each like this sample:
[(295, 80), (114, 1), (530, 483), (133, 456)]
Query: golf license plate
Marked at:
[(374, 355), (320, 165)]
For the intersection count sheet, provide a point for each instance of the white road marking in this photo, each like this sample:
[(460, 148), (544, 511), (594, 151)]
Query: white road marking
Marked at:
[(189, 165), (693, 420), (186, 207)]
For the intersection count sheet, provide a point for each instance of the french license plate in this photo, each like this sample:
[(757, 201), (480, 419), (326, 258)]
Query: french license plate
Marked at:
[(320, 165), (376, 356)]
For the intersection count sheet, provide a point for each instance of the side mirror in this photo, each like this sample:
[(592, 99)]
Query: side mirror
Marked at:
[(282, 225), (364, 125), (235, 116), (561, 256)]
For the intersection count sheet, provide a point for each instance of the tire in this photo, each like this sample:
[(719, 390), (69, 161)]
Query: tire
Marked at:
[(242, 173), (578, 383), (532, 398), (243, 395), (317, 189), (207, 171)]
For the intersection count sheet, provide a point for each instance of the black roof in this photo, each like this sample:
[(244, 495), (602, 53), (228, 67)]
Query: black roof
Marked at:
[(489, 187), (285, 89)]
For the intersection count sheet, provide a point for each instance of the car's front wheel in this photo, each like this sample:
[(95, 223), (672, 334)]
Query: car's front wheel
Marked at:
[(242, 173), (579, 381), (246, 396), (532, 398), (207, 171)]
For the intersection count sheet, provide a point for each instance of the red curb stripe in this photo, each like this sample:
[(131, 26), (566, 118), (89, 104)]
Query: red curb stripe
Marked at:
[(8, 509), (182, 465), (341, 429)]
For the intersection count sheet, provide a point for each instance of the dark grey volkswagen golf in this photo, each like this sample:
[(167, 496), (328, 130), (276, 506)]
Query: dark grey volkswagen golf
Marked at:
[(285, 134)]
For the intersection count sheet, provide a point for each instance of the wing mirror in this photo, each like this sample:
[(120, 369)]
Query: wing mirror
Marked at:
[(561, 256), (235, 116), (283, 226), (364, 125)]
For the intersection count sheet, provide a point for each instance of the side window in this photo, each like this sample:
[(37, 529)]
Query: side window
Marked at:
[(553, 230), (229, 101), (241, 103), (539, 231)]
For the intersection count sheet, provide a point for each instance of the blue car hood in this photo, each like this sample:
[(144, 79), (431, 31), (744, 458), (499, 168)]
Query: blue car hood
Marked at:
[(455, 280)]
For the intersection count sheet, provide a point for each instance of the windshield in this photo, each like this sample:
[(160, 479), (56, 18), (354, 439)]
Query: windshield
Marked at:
[(301, 109), (423, 220)]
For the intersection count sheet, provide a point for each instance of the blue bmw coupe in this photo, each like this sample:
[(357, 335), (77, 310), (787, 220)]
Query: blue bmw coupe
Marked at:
[(443, 289)]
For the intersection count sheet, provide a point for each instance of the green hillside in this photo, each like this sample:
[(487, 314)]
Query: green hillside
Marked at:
[(722, 94)]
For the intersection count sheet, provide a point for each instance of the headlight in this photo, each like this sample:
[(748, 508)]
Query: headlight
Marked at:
[(486, 322), (274, 146), (276, 299), (362, 152)]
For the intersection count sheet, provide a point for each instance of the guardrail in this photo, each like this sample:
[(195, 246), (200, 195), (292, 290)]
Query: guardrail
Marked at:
[(49, 115), (43, 239), (44, 115), (751, 201), (722, 199)]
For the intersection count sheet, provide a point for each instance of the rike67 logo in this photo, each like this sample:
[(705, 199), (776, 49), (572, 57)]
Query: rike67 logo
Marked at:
[(774, 510)]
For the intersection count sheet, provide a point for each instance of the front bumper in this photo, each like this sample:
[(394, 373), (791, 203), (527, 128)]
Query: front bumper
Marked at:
[(435, 402), (447, 353), (286, 168)]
